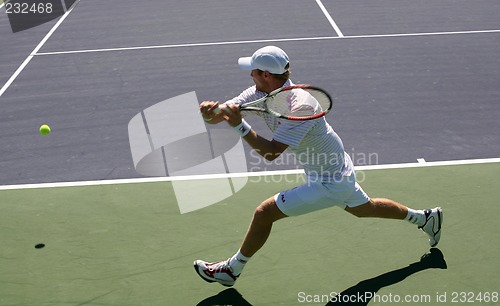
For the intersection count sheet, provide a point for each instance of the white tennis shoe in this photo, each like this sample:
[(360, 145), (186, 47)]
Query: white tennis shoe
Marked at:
[(219, 272), (432, 225)]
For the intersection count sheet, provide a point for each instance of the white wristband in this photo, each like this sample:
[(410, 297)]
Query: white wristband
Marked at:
[(243, 128)]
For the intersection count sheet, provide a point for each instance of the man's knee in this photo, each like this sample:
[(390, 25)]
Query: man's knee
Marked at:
[(260, 212), (268, 211)]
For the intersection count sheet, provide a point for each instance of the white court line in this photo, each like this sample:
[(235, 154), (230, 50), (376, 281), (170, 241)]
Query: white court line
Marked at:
[(245, 174), (222, 43), (263, 41), (330, 19), (38, 47)]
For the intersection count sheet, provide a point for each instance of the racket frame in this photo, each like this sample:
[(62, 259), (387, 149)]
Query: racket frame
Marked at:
[(248, 106)]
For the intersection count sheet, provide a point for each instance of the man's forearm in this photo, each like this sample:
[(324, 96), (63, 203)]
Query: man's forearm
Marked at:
[(269, 149)]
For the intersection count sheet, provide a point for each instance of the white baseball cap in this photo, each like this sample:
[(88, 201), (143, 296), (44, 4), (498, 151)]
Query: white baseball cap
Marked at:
[(271, 59)]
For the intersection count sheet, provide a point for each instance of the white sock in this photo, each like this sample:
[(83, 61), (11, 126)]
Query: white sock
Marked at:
[(415, 216), (237, 262)]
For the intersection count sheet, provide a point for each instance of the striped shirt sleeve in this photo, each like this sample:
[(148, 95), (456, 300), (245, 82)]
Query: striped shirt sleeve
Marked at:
[(248, 95)]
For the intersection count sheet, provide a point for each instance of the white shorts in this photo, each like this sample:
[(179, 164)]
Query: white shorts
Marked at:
[(316, 195)]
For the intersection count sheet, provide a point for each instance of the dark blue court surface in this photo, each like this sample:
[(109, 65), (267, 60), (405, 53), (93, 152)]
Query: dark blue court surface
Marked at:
[(410, 79)]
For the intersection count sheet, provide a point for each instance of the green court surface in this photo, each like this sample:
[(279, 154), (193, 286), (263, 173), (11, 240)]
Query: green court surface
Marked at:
[(129, 245)]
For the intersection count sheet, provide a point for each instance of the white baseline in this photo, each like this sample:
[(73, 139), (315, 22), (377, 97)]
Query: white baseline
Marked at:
[(245, 174)]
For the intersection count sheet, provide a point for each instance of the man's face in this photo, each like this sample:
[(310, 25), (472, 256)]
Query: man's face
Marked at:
[(259, 79)]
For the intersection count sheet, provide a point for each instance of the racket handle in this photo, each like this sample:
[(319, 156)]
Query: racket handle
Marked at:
[(219, 109)]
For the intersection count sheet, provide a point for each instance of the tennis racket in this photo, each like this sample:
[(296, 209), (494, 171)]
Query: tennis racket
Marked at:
[(296, 102)]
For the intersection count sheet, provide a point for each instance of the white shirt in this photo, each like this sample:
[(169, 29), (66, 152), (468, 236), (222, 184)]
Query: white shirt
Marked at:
[(314, 142)]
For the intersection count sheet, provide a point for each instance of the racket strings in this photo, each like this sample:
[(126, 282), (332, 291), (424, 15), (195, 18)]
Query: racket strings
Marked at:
[(299, 102), (254, 106)]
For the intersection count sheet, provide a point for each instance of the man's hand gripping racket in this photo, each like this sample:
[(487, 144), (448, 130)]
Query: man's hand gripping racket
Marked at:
[(297, 102)]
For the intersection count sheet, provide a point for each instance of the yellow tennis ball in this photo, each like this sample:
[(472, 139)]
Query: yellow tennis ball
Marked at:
[(45, 129)]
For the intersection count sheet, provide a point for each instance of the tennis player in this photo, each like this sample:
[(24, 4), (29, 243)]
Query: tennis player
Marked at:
[(329, 170)]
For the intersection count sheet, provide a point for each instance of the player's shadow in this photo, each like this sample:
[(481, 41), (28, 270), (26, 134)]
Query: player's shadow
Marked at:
[(227, 297), (360, 293)]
